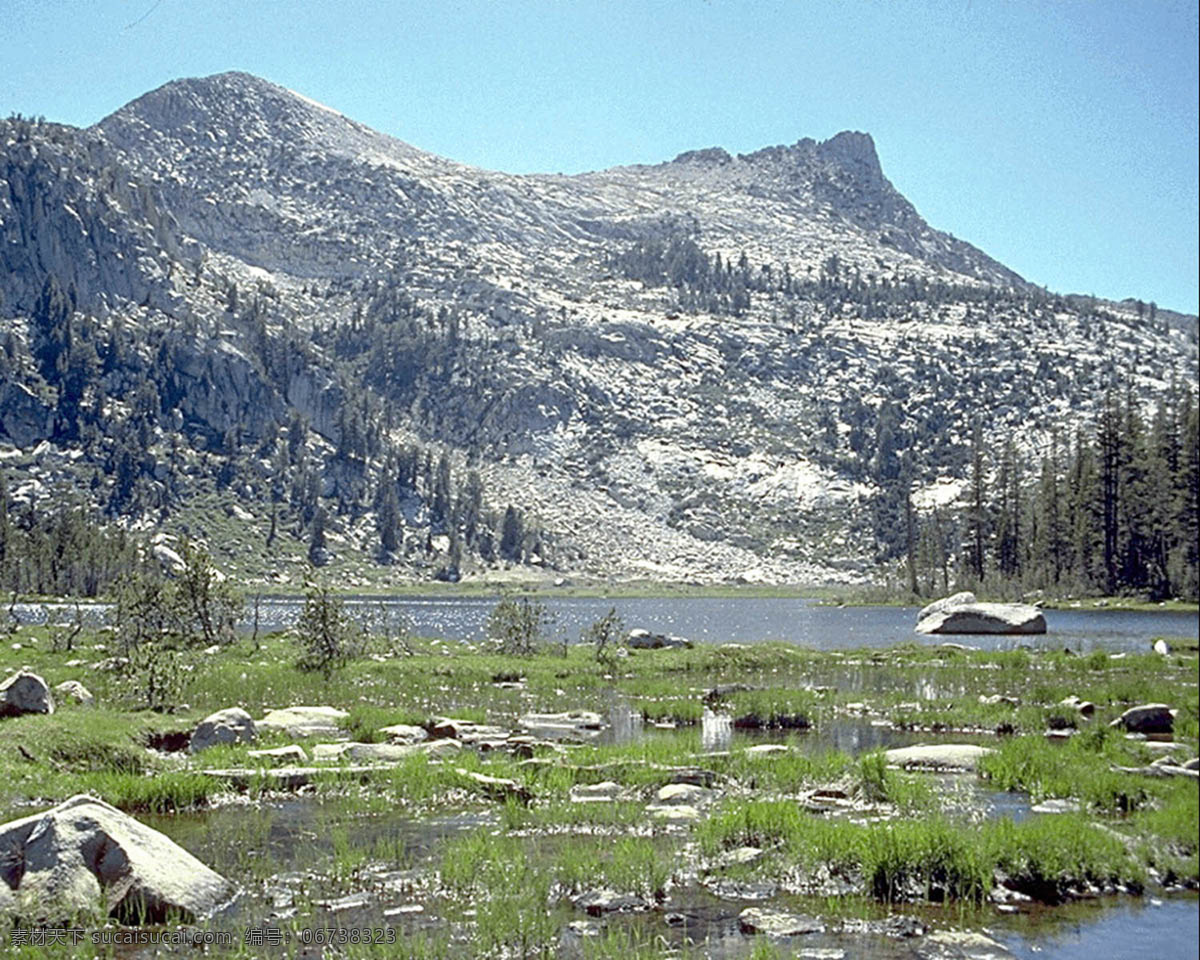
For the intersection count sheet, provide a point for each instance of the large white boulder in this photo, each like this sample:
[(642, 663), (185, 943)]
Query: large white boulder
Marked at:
[(954, 600), (25, 692), (85, 854), (1017, 618)]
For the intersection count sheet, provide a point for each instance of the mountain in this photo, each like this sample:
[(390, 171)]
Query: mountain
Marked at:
[(232, 312)]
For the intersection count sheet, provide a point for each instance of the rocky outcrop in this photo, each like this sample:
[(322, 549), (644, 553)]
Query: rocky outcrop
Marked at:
[(232, 725), (1006, 618), (25, 418), (25, 692), (83, 853)]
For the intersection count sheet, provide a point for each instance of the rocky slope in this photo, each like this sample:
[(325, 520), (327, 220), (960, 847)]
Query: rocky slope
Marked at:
[(699, 369)]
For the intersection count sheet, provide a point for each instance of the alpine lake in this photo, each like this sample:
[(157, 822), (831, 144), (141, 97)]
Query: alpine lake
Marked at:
[(731, 799)]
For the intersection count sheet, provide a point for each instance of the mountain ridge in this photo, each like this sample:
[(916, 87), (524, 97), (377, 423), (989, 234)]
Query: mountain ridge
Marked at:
[(704, 368)]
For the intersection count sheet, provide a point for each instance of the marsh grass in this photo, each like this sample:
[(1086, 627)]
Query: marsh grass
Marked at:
[(1082, 768), (932, 859), (164, 792)]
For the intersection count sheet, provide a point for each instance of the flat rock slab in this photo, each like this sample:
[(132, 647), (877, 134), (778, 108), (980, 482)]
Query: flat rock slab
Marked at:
[(293, 753), (1057, 805), (938, 756), (776, 923), (83, 853), (961, 945), (767, 750), (605, 792), (304, 721), (728, 889), (577, 724), (467, 731), (292, 778), (674, 813), (384, 752), (1005, 618)]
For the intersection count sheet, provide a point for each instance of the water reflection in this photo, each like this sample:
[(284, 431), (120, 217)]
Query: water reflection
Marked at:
[(716, 731)]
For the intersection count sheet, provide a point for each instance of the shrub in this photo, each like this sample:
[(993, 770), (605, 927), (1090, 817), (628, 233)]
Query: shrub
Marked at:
[(328, 637), (604, 636), (520, 625)]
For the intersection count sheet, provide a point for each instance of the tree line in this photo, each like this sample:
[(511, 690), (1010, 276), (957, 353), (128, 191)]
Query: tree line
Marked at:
[(1112, 509)]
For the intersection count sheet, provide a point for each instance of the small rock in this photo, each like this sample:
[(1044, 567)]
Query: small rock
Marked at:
[(232, 725), (1057, 805), (599, 902), (1084, 707), (25, 692), (776, 923), (604, 792), (742, 856), (293, 753), (585, 928), (466, 731), (498, 788), (1161, 648), (406, 909), (682, 793), (353, 901), (404, 733), (766, 750), (76, 691), (728, 889), (675, 813)]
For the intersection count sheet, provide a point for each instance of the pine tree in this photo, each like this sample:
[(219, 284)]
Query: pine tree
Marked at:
[(977, 521)]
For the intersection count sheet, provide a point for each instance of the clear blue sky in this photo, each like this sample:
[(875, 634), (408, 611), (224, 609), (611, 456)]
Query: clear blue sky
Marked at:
[(1061, 137)]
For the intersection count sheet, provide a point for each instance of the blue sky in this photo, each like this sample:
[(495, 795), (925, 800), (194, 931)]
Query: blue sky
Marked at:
[(1060, 137)]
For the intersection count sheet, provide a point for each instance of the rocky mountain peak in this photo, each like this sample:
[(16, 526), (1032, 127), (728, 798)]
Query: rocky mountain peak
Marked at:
[(853, 151)]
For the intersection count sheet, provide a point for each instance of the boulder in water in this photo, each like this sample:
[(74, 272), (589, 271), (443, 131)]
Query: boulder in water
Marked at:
[(1007, 618), (62, 863)]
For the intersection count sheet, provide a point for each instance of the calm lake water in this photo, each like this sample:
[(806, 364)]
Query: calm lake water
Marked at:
[(726, 619)]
